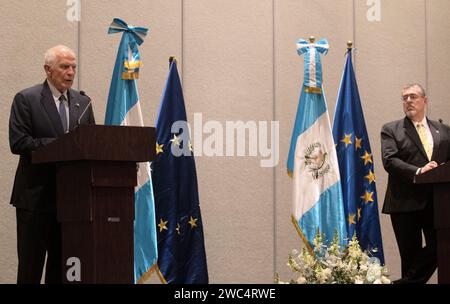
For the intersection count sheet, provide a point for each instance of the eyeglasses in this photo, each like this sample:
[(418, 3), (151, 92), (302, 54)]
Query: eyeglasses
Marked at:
[(413, 97)]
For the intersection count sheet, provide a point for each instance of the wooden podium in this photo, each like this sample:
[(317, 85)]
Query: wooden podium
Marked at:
[(96, 174), (440, 178)]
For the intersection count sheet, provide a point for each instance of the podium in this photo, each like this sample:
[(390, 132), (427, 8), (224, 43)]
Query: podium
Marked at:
[(440, 179), (96, 174)]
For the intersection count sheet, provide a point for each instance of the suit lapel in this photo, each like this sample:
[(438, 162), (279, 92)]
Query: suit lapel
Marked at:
[(436, 138), (412, 133), (74, 108), (49, 105)]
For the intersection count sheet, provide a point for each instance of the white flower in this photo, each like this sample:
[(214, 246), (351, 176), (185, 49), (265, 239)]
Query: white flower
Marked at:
[(374, 272), (385, 280), (363, 267), (301, 280), (327, 273), (323, 274), (331, 264)]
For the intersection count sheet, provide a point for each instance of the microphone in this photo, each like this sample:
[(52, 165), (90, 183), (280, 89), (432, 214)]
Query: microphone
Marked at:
[(85, 109)]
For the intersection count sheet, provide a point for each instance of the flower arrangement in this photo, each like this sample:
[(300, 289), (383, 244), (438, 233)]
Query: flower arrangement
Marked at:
[(331, 265)]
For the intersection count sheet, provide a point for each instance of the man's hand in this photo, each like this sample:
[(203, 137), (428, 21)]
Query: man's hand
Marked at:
[(428, 167)]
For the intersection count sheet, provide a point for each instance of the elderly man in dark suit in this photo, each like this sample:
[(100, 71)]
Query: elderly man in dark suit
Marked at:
[(39, 115), (409, 147)]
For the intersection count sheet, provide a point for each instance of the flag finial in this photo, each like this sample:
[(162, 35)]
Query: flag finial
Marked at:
[(171, 59), (312, 39), (349, 44)]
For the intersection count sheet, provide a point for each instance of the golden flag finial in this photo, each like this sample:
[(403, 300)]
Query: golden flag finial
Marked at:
[(349, 44)]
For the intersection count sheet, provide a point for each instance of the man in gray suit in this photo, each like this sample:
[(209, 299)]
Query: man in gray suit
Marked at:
[(409, 147), (39, 115)]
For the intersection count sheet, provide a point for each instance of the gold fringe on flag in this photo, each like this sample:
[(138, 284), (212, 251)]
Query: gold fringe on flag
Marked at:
[(302, 236), (130, 75), (146, 276), (313, 90)]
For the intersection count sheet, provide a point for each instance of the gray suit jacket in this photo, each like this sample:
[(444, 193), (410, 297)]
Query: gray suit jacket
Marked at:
[(402, 154), (35, 122)]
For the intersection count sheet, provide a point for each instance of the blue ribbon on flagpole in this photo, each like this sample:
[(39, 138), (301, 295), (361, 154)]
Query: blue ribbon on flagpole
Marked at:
[(133, 37), (137, 32)]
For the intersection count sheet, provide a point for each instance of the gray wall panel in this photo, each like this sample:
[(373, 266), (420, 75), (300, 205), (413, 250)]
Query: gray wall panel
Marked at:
[(228, 77)]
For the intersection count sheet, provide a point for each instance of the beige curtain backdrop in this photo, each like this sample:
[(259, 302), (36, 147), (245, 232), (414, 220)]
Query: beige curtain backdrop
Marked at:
[(238, 62)]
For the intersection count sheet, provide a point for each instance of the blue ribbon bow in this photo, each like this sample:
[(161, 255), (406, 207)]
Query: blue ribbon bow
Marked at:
[(138, 33), (133, 36)]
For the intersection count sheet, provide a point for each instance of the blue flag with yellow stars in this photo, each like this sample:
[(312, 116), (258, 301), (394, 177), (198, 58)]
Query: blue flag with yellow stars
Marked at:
[(181, 248), (356, 166)]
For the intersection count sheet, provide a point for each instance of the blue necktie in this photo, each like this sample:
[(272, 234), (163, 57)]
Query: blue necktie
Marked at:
[(62, 112)]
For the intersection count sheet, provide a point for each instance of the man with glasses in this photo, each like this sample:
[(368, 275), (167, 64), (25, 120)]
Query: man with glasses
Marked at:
[(409, 147), (39, 115)]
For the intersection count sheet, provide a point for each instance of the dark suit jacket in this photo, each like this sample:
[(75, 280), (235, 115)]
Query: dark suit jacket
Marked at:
[(403, 153), (35, 122)]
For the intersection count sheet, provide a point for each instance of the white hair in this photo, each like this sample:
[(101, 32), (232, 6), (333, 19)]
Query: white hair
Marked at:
[(52, 53)]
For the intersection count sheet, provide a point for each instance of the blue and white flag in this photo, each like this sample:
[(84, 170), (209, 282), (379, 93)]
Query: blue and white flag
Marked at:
[(124, 109), (312, 161), (356, 166)]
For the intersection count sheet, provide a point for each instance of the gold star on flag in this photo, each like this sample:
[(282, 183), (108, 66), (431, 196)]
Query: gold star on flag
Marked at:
[(159, 148), (162, 225), (367, 158), (347, 140), (370, 177), (358, 143), (351, 219), (175, 140), (193, 222), (367, 197), (359, 214), (178, 229)]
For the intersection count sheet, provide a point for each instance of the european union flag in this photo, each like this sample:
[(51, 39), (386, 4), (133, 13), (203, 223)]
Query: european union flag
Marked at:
[(356, 166), (124, 109), (182, 258)]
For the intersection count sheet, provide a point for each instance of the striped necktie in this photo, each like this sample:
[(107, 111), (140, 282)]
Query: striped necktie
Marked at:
[(62, 112), (424, 139)]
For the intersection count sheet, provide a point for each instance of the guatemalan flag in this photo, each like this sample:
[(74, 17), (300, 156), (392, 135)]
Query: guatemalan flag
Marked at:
[(124, 109), (356, 166), (312, 161)]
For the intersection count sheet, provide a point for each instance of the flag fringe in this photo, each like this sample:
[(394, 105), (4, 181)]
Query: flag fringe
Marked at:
[(313, 90), (289, 172), (130, 75), (131, 65), (146, 276), (302, 236)]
